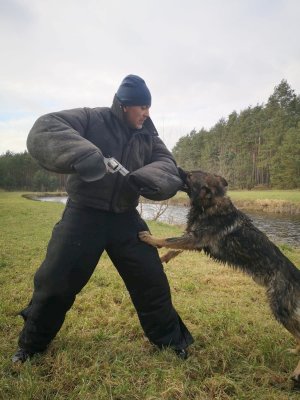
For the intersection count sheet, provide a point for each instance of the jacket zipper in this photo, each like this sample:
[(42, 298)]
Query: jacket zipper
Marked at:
[(123, 161)]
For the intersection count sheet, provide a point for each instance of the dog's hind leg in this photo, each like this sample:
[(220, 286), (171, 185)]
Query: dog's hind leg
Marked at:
[(296, 373), (169, 255), (296, 376), (296, 350)]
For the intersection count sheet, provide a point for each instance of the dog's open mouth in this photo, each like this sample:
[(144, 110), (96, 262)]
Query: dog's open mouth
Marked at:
[(186, 188)]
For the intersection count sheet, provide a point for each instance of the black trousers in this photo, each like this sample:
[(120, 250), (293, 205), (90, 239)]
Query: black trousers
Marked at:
[(74, 250)]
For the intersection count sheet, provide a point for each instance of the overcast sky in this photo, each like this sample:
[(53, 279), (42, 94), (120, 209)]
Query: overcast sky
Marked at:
[(201, 59)]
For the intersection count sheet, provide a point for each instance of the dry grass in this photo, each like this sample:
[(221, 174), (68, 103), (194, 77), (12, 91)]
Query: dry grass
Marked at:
[(101, 353), (274, 201)]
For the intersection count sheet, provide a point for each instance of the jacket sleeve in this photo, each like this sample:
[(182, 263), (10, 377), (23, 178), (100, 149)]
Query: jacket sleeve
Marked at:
[(57, 142), (158, 180)]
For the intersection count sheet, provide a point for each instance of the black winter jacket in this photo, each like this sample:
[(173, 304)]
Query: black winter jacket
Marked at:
[(75, 141)]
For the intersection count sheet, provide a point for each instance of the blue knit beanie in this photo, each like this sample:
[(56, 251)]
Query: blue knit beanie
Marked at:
[(134, 92)]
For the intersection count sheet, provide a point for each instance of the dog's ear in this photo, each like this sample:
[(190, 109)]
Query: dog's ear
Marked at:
[(222, 186), (223, 181)]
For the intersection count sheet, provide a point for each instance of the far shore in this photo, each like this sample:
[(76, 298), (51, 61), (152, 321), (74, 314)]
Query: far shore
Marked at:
[(259, 205), (261, 201)]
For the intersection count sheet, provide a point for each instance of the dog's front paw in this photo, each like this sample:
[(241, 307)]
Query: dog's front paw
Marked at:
[(293, 351), (145, 236), (168, 256)]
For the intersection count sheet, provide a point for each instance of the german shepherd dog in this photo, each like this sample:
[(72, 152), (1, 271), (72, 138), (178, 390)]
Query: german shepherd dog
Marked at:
[(217, 227)]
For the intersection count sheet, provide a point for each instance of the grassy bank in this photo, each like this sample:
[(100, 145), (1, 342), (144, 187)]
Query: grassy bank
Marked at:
[(100, 353), (274, 201)]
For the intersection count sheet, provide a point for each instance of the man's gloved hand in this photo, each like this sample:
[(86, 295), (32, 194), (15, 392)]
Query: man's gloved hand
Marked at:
[(154, 183), (142, 186), (91, 168)]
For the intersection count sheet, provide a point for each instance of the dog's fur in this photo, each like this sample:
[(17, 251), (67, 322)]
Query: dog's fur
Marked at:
[(216, 226)]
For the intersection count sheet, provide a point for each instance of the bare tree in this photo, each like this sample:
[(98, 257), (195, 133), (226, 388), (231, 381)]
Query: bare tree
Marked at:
[(160, 208)]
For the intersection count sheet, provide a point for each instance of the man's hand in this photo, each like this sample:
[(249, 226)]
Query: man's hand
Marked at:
[(91, 168)]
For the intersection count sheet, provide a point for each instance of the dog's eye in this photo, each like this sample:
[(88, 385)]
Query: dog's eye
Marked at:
[(208, 193), (204, 192)]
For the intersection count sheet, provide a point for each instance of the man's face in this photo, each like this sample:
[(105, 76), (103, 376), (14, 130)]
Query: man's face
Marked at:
[(135, 116)]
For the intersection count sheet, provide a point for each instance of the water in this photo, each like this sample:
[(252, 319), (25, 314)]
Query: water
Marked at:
[(279, 228), (283, 229)]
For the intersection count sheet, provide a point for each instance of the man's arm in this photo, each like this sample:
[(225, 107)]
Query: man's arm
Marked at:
[(158, 180), (57, 142)]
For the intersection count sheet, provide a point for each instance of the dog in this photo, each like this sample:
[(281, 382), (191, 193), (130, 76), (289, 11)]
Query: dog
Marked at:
[(217, 227)]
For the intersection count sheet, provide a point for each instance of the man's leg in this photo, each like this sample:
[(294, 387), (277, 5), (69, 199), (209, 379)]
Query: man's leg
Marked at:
[(73, 252), (140, 267)]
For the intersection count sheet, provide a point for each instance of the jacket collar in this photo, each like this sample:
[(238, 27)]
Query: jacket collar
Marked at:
[(148, 127)]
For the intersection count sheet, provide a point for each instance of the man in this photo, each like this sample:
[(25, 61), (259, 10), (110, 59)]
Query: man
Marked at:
[(101, 215)]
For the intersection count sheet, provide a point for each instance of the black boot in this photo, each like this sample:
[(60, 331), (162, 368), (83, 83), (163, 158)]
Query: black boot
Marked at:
[(21, 356), (182, 353)]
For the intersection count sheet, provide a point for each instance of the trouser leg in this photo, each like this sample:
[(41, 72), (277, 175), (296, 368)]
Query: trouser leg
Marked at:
[(140, 268), (73, 252)]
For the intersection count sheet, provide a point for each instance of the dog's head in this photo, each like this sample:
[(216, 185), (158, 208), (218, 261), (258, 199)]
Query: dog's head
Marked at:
[(203, 188)]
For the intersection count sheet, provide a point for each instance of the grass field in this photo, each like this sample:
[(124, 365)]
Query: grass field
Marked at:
[(280, 195), (285, 195), (101, 353)]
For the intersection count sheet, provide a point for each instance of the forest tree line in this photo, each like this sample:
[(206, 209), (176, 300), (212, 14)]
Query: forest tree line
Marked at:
[(260, 146), (21, 172)]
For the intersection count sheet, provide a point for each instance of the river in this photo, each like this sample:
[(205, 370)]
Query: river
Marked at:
[(281, 229)]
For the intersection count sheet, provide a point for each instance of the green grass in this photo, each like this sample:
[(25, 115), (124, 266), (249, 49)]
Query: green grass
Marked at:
[(292, 196), (285, 195), (101, 353)]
